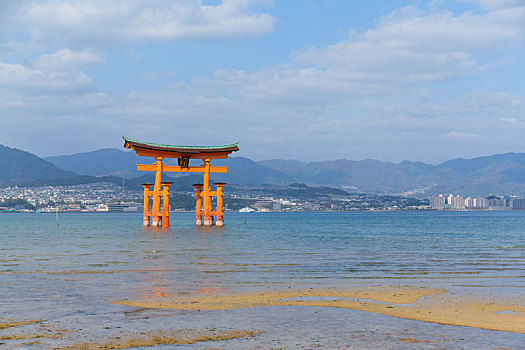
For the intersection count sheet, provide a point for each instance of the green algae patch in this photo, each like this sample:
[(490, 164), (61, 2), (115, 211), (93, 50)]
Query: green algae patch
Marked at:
[(162, 338), (24, 336), (16, 323)]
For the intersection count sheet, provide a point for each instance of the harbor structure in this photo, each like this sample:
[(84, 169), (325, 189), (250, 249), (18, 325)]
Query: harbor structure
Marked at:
[(157, 214)]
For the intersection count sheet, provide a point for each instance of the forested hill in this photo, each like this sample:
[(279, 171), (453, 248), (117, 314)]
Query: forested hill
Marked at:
[(17, 166), (499, 173)]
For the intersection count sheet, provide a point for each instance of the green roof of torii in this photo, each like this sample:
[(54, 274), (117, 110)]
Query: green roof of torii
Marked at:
[(232, 147)]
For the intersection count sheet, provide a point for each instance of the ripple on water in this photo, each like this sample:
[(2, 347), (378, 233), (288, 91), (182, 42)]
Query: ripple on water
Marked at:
[(278, 249)]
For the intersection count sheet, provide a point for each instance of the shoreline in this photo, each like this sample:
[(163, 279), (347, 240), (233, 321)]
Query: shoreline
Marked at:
[(284, 212)]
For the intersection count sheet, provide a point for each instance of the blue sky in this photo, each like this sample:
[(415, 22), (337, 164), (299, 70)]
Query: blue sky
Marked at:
[(304, 79)]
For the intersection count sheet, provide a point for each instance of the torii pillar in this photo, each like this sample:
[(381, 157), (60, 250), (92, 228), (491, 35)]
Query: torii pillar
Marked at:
[(166, 203), (220, 210), (147, 194), (198, 204), (156, 213)]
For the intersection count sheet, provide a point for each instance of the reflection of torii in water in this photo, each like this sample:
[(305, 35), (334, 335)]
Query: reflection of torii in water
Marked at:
[(165, 274), (160, 209)]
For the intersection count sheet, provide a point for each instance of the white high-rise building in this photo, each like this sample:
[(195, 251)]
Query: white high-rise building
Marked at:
[(469, 203), (496, 202), (456, 202), (437, 202), (480, 203)]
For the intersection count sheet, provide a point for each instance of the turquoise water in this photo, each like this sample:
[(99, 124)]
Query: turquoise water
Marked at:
[(46, 271), (275, 247)]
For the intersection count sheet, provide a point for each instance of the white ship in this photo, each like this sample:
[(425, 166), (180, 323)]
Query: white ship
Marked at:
[(246, 210)]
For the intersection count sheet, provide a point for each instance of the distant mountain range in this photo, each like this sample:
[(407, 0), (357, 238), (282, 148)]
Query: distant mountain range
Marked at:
[(497, 174), (106, 161), (18, 166), (500, 174)]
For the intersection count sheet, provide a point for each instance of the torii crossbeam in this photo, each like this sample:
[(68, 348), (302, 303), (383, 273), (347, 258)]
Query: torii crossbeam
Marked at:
[(159, 212)]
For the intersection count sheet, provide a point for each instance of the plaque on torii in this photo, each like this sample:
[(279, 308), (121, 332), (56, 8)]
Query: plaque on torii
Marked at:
[(158, 211)]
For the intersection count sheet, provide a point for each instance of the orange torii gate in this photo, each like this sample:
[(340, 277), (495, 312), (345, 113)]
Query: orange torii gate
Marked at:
[(159, 212)]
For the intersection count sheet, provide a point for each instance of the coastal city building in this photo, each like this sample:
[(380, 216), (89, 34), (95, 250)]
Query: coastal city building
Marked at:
[(456, 202), (518, 203), (452, 202), (496, 203), (480, 203), (110, 197), (123, 207), (437, 202), (96, 197)]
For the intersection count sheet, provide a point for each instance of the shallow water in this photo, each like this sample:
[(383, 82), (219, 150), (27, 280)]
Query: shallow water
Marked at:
[(66, 273)]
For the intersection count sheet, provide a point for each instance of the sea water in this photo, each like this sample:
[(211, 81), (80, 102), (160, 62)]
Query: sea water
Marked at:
[(68, 273)]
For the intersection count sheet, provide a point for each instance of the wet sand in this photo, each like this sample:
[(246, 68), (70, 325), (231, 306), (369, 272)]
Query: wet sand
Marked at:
[(4, 324), (46, 332), (161, 338), (422, 304)]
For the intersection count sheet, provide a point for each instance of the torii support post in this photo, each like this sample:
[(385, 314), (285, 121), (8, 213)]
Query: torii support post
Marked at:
[(166, 203), (147, 194), (198, 204), (220, 210), (208, 218), (156, 214)]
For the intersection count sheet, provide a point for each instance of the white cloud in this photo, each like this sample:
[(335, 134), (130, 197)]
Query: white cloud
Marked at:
[(66, 59), (29, 80), (410, 46), (360, 96), (460, 135), (496, 4), (407, 48), (493, 103), (115, 21)]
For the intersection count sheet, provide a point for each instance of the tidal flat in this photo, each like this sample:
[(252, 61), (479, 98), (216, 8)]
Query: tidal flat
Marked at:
[(282, 280)]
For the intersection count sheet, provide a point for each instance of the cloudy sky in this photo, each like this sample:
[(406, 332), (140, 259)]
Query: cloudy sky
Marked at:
[(302, 79)]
